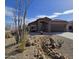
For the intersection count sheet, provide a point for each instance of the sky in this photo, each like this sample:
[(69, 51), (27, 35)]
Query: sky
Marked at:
[(54, 9)]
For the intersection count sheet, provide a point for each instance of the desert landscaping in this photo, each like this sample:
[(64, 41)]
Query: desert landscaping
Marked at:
[(40, 47)]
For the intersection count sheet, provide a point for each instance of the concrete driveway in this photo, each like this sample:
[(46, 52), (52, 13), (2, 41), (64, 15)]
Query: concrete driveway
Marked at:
[(66, 35), (63, 34)]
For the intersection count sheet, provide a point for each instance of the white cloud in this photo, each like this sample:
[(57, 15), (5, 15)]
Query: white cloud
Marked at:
[(31, 19), (41, 16), (68, 12), (9, 11), (56, 14), (53, 16)]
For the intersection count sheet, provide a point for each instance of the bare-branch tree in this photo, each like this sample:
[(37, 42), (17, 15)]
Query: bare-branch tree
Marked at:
[(19, 20)]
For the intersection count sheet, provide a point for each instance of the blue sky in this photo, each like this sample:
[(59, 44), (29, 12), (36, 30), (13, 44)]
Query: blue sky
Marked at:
[(60, 9)]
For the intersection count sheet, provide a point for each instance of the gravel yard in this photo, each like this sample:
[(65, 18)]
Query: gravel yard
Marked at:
[(29, 52)]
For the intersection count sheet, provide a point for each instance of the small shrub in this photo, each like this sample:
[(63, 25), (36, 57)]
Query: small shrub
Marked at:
[(59, 42), (28, 43)]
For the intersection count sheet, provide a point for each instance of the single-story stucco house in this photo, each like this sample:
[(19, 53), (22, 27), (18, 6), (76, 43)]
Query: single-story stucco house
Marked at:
[(50, 25)]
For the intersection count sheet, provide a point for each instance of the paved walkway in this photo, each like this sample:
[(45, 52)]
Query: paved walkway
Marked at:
[(66, 34)]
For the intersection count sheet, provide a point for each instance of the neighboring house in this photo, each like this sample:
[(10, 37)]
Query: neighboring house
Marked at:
[(48, 25)]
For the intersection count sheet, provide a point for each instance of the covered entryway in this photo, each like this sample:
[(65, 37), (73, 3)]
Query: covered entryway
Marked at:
[(44, 27)]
